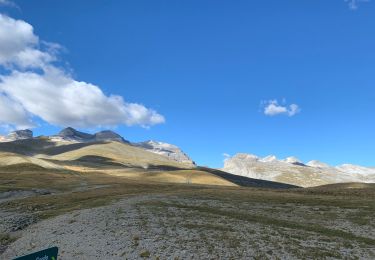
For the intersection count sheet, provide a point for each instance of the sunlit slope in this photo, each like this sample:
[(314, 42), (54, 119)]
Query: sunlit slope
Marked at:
[(175, 176), (49, 154), (118, 152), (8, 159)]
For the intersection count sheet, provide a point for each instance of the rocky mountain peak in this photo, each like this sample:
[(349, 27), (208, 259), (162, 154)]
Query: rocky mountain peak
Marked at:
[(171, 151), (317, 164), (108, 135), (21, 134), (71, 133), (269, 158), (247, 157), (17, 135), (293, 160)]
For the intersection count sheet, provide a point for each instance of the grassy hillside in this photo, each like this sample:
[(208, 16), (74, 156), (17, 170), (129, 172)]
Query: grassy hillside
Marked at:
[(119, 152)]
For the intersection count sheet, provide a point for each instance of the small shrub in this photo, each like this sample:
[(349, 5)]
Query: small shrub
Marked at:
[(145, 254)]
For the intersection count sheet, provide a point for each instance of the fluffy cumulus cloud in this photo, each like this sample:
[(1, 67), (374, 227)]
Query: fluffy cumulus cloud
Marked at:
[(13, 114), (52, 94), (19, 45), (273, 108), (353, 4)]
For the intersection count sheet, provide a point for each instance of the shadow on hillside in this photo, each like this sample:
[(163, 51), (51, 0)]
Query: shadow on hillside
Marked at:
[(97, 160), (164, 168), (21, 167), (67, 148), (40, 146), (239, 180), (248, 182)]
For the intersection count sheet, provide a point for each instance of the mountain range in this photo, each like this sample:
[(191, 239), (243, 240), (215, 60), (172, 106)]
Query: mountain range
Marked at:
[(293, 171), (108, 153), (73, 149), (71, 135)]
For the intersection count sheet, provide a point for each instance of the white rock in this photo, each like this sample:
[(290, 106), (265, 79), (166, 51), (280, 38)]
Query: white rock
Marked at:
[(171, 151), (292, 171), (17, 135), (317, 164), (269, 158), (292, 160), (355, 169)]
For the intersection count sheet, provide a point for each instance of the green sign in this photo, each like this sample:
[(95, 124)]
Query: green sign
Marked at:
[(47, 254)]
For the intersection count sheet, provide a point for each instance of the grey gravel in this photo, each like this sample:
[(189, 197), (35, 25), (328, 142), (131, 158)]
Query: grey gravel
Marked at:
[(156, 226)]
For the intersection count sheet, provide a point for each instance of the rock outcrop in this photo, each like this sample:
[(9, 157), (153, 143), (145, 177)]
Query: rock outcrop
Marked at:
[(317, 164), (293, 171), (17, 135), (72, 134), (293, 160), (169, 150), (108, 135)]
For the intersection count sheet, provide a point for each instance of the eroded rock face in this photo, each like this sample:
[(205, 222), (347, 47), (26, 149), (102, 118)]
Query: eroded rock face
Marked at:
[(17, 135), (293, 171), (169, 150)]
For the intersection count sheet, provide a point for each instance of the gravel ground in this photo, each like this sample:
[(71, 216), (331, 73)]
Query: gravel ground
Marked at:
[(20, 194), (170, 227)]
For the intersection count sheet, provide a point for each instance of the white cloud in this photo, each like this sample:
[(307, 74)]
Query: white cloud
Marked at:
[(12, 113), (226, 157), (273, 108), (8, 3), (53, 95), (19, 45), (353, 4)]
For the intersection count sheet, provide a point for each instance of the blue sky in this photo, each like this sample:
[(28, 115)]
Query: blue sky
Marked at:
[(210, 69)]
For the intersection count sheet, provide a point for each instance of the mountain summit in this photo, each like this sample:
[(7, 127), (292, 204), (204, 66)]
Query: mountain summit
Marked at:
[(17, 135), (108, 135), (72, 134), (169, 150)]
